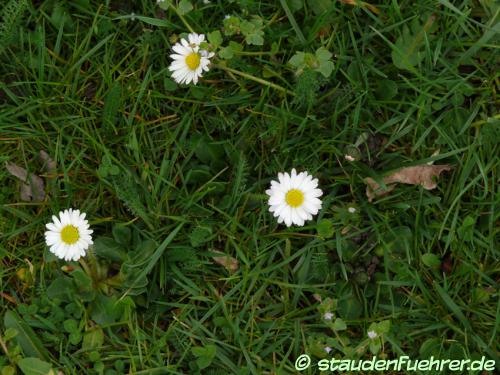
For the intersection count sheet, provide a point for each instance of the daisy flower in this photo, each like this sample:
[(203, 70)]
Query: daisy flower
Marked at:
[(294, 199), (189, 61), (69, 235)]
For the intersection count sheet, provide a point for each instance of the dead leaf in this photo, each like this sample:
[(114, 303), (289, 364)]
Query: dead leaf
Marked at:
[(229, 263), (363, 4), (32, 188), (424, 175), (49, 163)]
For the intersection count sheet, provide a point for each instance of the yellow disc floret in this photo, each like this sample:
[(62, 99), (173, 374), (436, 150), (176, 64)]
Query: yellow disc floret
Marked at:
[(294, 198), (70, 235), (193, 60)]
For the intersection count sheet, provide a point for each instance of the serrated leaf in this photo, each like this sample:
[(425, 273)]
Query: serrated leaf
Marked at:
[(407, 51), (325, 228), (200, 235), (112, 103)]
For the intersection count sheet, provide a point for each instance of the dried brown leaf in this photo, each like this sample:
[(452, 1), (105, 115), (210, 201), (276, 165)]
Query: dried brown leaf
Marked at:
[(229, 263), (424, 175), (49, 163), (32, 187)]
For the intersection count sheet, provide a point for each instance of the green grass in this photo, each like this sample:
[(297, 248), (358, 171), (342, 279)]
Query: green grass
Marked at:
[(169, 174)]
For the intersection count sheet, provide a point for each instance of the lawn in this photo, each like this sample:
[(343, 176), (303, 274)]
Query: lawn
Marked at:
[(392, 106)]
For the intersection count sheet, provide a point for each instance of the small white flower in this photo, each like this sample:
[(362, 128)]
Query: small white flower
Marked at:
[(206, 1), (227, 16), (328, 316), (328, 349), (349, 158), (189, 61), (294, 199), (351, 210), (372, 334), (69, 235)]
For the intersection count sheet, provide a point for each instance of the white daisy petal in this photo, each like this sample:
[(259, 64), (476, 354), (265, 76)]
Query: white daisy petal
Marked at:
[(68, 236), (294, 198), (189, 62)]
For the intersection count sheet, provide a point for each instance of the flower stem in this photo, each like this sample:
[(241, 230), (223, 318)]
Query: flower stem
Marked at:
[(186, 23), (256, 79)]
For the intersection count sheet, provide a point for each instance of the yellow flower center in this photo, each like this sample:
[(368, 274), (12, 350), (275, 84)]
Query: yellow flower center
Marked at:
[(294, 198), (70, 235), (193, 60)]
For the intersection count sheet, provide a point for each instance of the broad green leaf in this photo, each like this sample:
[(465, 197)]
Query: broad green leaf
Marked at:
[(107, 248), (431, 260), (320, 6), (107, 310), (386, 89), (26, 338), (339, 325), (184, 7), (62, 288), (205, 355), (215, 38), (93, 339), (350, 308), (35, 366)]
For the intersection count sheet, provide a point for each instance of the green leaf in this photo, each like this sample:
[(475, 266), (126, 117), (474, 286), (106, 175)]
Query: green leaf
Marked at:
[(375, 346), (383, 327), (107, 248), (298, 60), (122, 234), (466, 230), (165, 4), (320, 6), (215, 38), (61, 288), (184, 7), (386, 89), (431, 260), (350, 308), (34, 366), (205, 355), (93, 339), (200, 235), (253, 31), (84, 285), (112, 103), (326, 68), (295, 5), (26, 337), (407, 51), (9, 334), (70, 325), (155, 257), (325, 228), (339, 325), (108, 310)]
